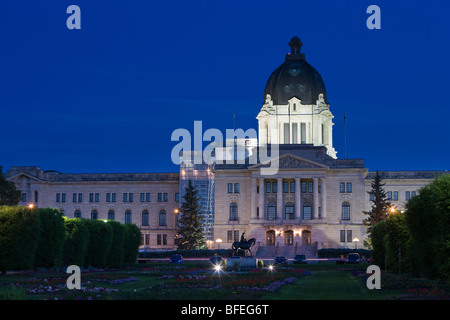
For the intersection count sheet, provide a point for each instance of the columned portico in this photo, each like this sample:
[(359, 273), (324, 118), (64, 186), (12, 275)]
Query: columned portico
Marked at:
[(315, 211), (323, 202), (298, 201), (261, 199), (280, 204)]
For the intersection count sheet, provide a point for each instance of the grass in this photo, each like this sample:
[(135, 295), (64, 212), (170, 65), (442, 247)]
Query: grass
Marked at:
[(328, 285)]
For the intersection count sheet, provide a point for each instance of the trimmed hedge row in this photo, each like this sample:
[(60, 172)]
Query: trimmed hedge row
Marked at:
[(205, 253), (44, 238), (341, 252)]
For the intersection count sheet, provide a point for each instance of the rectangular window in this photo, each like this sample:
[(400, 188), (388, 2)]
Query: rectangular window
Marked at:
[(349, 236), (24, 197), (349, 187), (159, 197), (74, 197), (236, 236), (166, 197), (286, 133), (229, 236), (342, 187), (97, 197), (113, 197), (303, 187), (389, 195), (407, 195), (413, 194), (142, 197), (342, 236), (267, 187), (130, 197), (80, 197), (147, 197), (230, 188), (147, 239), (395, 195), (294, 133), (125, 197), (372, 197), (63, 197), (164, 239), (91, 197), (285, 187), (58, 197), (236, 188), (292, 187), (307, 213), (108, 197), (274, 187), (310, 187), (177, 197), (158, 240), (303, 132)]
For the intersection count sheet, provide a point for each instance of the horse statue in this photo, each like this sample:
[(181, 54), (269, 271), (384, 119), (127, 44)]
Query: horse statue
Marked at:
[(243, 245)]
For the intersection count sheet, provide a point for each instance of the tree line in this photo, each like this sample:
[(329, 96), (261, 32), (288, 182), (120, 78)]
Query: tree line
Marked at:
[(32, 238), (416, 240)]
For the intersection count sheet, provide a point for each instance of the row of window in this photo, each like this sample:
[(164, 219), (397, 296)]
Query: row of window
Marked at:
[(111, 215), (161, 239), (393, 195), (112, 197), (289, 187), (288, 211)]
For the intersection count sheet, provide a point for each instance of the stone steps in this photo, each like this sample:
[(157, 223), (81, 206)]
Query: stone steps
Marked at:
[(270, 252)]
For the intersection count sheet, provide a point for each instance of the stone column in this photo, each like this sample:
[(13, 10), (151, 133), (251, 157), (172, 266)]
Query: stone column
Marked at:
[(262, 206), (254, 199), (298, 201), (323, 198), (279, 198), (315, 210)]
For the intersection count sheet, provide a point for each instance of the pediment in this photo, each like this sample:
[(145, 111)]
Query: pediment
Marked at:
[(17, 177), (290, 161)]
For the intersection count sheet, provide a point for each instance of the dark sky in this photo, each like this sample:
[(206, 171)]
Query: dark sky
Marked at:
[(107, 98)]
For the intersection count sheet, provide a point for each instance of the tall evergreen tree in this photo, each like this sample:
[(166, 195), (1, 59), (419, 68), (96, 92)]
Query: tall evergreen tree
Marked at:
[(189, 225), (381, 205), (9, 195)]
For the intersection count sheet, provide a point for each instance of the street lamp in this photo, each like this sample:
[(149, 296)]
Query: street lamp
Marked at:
[(175, 212), (31, 206), (355, 240), (219, 241)]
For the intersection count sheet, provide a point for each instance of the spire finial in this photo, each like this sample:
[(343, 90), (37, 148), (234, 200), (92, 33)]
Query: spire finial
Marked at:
[(295, 45)]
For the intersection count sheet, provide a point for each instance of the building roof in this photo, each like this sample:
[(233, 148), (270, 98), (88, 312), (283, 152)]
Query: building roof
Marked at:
[(295, 78)]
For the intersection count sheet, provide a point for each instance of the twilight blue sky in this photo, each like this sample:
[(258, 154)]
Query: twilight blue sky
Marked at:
[(107, 98)]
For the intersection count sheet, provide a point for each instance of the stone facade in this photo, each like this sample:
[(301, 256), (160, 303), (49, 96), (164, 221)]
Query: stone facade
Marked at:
[(145, 199)]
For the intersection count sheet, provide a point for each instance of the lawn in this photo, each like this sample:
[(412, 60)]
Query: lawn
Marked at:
[(196, 280)]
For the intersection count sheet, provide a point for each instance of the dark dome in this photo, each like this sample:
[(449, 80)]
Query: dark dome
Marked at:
[(295, 78)]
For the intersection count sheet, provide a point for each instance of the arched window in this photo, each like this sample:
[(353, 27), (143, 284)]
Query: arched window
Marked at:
[(94, 214), (233, 211), (162, 218), (128, 216), (145, 218), (77, 214), (271, 211), (111, 215), (345, 211), (289, 211)]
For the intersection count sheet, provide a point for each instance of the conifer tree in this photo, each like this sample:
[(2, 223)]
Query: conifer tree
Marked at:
[(189, 225), (381, 205)]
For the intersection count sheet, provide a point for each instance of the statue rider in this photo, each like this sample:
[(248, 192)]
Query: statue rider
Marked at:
[(242, 238)]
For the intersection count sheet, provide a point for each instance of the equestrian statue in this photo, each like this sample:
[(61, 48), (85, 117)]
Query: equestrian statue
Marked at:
[(244, 245)]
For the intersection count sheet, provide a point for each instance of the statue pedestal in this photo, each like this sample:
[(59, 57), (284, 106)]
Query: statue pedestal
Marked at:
[(242, 264)]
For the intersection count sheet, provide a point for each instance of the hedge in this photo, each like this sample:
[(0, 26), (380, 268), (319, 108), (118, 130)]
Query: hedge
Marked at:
[(77, 240), (100, 241), (19, 236), (131, 243), (49, 252), (116, 253), (187, 253), (339, 252)]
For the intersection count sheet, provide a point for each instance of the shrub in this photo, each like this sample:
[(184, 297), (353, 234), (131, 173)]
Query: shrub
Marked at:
[(51, 239), (100, 240), (338, 252), (131, 243), (116, 253), (19, 236), (77, 240)]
